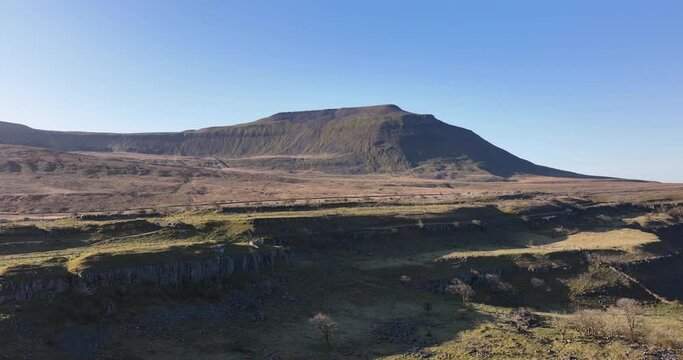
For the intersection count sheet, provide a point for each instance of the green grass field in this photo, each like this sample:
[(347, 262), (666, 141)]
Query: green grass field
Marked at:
[(374, 286)]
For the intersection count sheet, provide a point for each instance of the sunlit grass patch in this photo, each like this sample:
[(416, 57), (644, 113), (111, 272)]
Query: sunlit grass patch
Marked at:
[(621, 239)]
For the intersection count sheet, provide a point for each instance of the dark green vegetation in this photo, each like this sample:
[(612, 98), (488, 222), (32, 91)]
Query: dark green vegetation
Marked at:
[(357, 140), (145, 288)]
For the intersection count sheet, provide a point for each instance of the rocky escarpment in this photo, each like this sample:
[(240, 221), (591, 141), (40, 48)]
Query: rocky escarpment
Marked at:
[(369, 139), (36, 283), (346, 237), (338, 230)]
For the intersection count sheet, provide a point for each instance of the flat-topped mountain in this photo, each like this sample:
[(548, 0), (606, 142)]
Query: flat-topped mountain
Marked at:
[(370, 139)]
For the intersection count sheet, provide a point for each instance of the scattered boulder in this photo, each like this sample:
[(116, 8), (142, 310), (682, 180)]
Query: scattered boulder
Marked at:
[(419, 353), (523, 320)]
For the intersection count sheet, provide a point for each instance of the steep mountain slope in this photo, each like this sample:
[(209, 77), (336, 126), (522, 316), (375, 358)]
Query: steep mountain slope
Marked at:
[(358, 140)]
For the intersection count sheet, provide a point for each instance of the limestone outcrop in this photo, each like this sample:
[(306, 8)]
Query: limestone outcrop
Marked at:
[(31, 284)]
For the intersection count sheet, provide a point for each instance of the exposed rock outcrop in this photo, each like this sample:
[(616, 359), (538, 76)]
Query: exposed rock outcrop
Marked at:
[(469, 277), (32, 285)]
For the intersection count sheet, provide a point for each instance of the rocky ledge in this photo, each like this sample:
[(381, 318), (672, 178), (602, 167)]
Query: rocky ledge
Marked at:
[(37, 283)]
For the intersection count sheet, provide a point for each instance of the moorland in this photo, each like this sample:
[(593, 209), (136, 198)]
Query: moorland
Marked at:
[(281, 240)]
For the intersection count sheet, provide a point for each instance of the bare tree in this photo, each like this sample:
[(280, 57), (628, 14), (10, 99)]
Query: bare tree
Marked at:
[(562, 324), (427, 307), (460, 288), (325, 324), (592, 323), (633, 312), (523, 320)]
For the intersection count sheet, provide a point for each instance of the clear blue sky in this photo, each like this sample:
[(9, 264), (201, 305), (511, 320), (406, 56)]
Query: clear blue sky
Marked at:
[(589, 86)]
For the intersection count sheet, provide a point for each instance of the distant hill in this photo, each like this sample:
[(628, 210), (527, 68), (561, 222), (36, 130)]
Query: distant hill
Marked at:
[(350, 140)]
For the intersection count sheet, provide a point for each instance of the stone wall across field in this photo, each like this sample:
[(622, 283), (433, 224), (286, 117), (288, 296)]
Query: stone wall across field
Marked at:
[(661, 274)]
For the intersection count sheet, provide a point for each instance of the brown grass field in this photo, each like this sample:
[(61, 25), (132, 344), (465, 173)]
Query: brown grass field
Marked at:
[(91, 182)]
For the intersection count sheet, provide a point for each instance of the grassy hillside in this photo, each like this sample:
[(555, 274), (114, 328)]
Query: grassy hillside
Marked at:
[(381, 270), (366, 139)]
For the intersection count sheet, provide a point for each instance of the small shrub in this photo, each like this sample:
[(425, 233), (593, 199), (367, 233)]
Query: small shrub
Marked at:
[(597, 324), (562, 325), (460, 288), (663, 337), (590, 323), (497, 285), (536, 282)]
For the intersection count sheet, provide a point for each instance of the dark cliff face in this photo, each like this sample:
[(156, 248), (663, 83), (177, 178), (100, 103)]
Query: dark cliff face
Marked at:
[(367, 139), (30, 285)]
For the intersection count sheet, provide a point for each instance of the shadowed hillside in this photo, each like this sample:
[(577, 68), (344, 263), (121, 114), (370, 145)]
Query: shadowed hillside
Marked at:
[(353, 140)]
